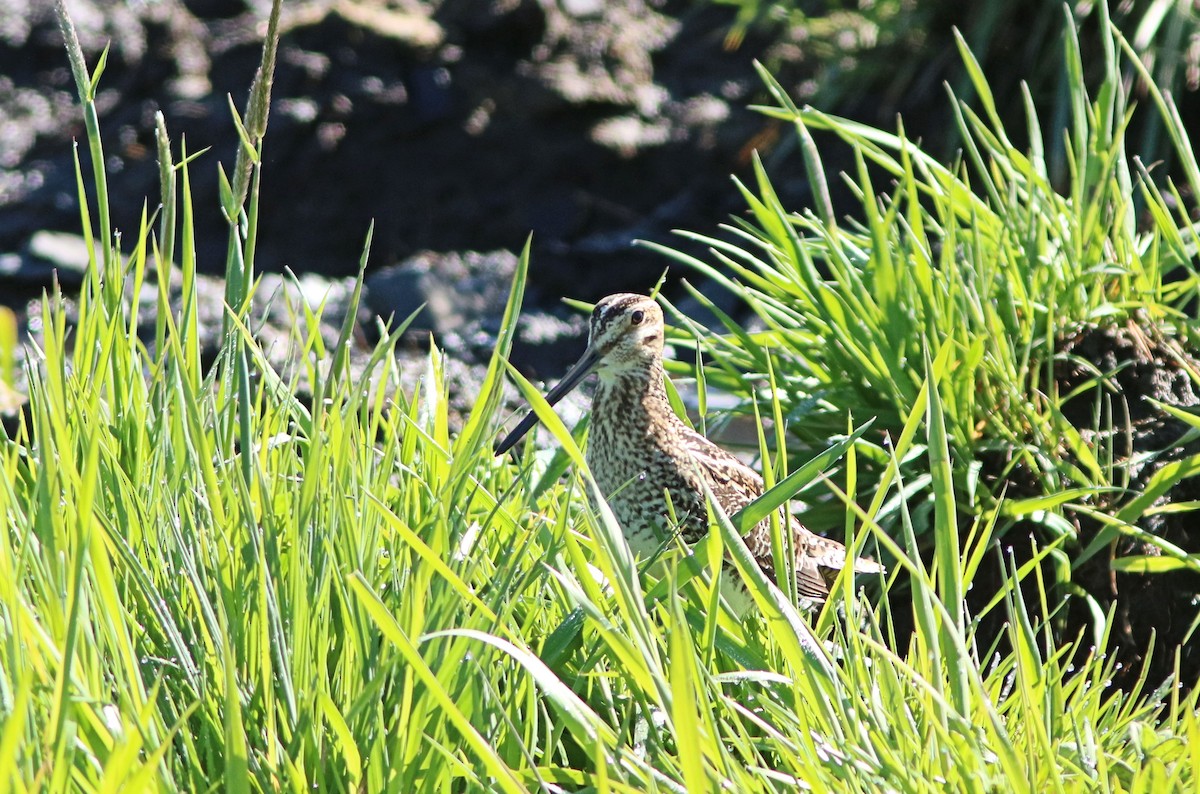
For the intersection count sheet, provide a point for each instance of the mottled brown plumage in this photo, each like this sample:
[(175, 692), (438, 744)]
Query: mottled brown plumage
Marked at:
[(638, 448)]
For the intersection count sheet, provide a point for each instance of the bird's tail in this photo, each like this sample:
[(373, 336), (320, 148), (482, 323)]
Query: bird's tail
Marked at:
[(865, 565)]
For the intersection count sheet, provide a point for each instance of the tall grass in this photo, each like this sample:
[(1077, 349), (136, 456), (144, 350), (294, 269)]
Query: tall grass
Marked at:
[(987, 260), (205, 583)]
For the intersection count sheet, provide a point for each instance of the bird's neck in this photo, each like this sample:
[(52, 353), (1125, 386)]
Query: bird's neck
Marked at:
[(633, 395)]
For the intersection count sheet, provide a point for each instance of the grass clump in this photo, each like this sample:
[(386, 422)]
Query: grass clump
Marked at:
[(991, 264), (205, 583)]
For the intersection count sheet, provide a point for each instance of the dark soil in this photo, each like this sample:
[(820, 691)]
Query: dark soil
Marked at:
[(465, 130), (1119, 371), (1154, 614)]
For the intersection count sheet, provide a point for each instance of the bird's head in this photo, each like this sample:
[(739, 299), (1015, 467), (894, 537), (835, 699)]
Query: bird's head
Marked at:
[(625, 335)]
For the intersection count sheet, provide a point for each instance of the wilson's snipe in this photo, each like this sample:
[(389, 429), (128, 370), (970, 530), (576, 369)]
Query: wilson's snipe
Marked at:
[(638, 448)]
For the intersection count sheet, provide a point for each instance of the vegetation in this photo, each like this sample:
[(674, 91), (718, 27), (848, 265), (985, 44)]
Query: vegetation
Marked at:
[(205, 582), (888, 56), (985, 263)]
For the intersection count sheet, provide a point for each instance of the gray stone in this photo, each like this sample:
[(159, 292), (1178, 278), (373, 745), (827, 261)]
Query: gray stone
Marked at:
[(458, 290), (46, 255), (62, 251)]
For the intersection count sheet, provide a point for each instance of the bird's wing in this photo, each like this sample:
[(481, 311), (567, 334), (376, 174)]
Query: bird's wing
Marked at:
[(733, 483), (829, 553), (810, 583)]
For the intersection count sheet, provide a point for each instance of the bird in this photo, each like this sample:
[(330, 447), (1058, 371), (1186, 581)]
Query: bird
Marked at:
[(653, 468)]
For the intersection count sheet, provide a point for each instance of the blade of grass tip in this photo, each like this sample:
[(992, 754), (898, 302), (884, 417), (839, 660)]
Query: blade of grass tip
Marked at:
[(139, 270), (1145, 565), (815, 169), (658, 285), (1077, 100), (436, 407), (85, 84), (983, 90), (242, 133), (765, 206), (341, 351), (689, 261), (777, 91), (471, 440), (1108, 106), (503, 776), (676, 402)]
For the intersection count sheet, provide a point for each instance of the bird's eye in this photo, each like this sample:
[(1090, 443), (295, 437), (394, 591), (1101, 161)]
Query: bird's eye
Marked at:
[(637, 317)]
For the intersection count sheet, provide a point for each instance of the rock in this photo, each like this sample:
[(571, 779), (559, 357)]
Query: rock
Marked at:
[(48, 257), (547, 344), (457, 127), (62, 250), (14, 267), (459, 291)]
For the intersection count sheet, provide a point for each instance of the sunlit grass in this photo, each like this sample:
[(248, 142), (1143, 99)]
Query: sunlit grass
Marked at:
[(991, 263), (206, 583)]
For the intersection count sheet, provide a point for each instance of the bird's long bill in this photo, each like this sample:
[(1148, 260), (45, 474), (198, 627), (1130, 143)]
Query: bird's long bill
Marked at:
[(582, 367)]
